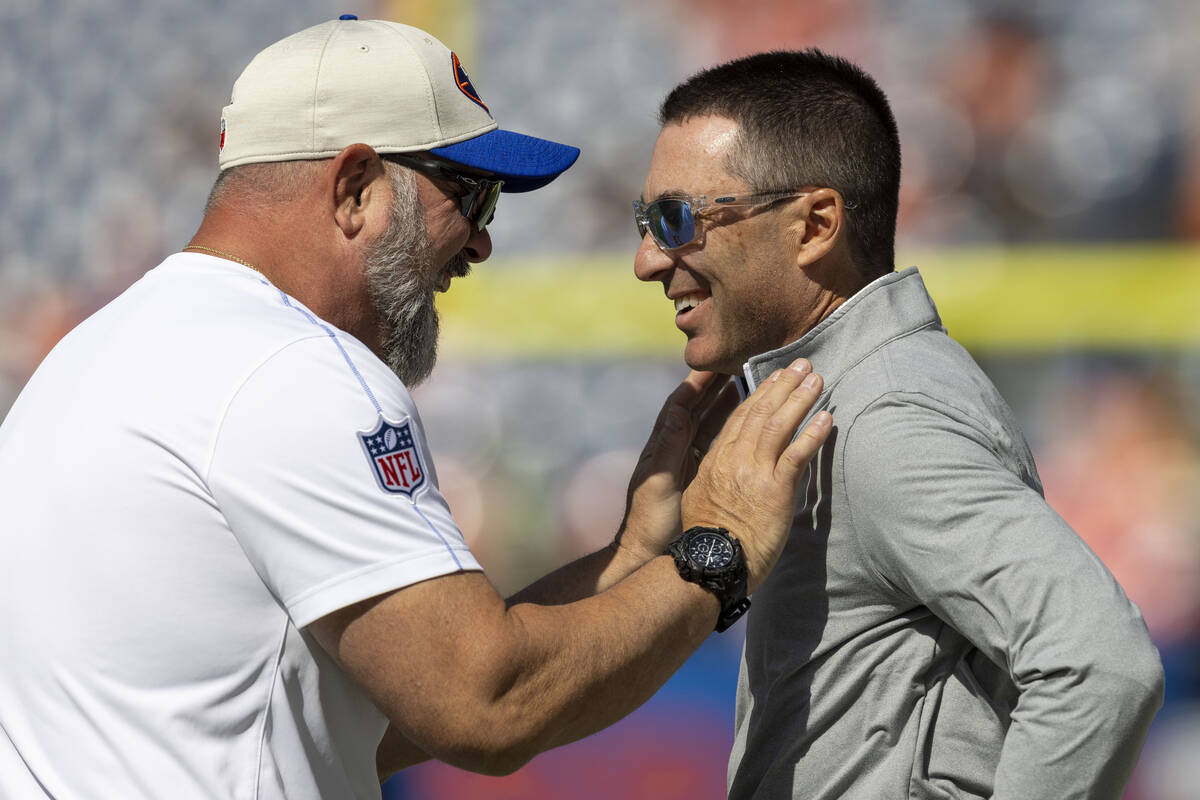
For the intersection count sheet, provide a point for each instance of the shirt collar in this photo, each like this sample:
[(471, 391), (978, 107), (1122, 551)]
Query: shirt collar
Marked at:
[(884, 309)]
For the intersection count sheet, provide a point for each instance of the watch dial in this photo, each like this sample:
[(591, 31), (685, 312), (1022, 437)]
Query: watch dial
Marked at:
[(710, 550)]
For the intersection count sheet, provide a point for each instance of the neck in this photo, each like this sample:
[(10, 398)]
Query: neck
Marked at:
[(835, 279), (212, 251), (826, 304), (290, 254)]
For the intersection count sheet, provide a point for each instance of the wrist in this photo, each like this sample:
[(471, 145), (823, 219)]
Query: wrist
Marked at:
[(630, 550), (713, 559)]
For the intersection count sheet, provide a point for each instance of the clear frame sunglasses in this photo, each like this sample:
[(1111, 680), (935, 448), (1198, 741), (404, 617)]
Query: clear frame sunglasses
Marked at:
[(674, 222)]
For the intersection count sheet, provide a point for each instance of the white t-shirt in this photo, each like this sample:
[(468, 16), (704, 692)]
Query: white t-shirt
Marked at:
[(193, 475)]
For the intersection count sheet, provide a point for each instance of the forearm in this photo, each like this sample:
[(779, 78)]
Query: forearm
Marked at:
[(583, 577), (504, 682), (591, 663), (486, 684), (544, 676)]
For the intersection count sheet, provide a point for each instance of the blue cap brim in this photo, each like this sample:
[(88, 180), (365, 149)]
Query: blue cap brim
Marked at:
[(523, 162)]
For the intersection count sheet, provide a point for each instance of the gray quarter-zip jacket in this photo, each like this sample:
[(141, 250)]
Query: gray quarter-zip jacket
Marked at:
[(933, 628)]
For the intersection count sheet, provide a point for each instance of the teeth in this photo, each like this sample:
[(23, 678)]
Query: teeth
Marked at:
[(691, 301)]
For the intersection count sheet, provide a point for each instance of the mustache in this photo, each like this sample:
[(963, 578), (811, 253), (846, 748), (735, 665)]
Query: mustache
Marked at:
[(458, 267)]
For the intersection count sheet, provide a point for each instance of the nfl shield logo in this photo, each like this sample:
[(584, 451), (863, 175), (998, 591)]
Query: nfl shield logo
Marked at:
[(394, 457)]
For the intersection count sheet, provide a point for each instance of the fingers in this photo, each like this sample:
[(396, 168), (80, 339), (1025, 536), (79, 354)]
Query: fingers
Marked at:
[(692, 400), (760, 405), (706, 403), (713, 415), (779, 422), (696, 389), (675, 426), (796, 456), (679, 405), (665, 468), (750, 486)]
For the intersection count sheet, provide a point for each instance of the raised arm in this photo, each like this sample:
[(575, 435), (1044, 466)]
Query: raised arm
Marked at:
[(485, 685), (688, 422)]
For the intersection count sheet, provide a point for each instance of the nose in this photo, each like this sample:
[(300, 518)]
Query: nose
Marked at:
[(650, 263), (479, 245)]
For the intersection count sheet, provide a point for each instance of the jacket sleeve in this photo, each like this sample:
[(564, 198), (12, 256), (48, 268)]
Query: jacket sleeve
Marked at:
[(944, 522)]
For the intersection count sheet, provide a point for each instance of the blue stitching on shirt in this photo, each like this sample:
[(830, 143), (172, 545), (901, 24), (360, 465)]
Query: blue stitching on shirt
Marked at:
[(378, 408), (438, 533), (329, 331)]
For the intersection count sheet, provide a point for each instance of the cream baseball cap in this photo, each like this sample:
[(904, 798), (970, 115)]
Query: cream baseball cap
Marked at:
[(382, 83)]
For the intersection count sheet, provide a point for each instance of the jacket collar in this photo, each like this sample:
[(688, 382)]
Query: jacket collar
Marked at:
[(885, 309)]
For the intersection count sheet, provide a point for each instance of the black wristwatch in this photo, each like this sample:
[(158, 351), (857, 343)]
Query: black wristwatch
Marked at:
[(713, 558)]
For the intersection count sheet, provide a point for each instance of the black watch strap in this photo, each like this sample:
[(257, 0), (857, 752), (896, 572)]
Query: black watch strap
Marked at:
[(731, 611)]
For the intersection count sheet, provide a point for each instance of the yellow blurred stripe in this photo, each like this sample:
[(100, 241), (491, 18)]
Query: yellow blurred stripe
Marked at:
[(1021, 300), (558, 306), (1118, 297)]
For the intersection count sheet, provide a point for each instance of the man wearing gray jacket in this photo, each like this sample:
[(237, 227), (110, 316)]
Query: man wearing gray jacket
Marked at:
[(933, 629)]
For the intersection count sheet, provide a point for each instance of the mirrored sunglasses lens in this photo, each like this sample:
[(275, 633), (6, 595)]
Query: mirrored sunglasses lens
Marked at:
[(480, 205), (670, 222), (487, 206)]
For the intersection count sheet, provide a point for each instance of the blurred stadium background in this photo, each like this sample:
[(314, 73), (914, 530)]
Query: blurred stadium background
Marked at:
[(1051, 196)]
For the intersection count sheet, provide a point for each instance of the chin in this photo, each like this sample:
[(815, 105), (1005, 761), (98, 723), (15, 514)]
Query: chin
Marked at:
[(711, 363)]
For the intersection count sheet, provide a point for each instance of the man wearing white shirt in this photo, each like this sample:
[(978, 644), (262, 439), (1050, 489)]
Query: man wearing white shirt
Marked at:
[(228, 569)]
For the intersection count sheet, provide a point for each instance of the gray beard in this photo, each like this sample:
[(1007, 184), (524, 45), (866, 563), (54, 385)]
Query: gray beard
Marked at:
[(401, 283)]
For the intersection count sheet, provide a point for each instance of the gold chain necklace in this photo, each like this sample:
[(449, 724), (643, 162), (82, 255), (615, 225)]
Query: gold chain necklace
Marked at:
[(223, 254)]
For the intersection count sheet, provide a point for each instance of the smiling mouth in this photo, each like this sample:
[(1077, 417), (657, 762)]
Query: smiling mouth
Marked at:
[(686, 303)]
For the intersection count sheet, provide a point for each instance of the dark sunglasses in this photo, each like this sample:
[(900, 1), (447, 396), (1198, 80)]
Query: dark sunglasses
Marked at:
[(674, 221), (479, 195)]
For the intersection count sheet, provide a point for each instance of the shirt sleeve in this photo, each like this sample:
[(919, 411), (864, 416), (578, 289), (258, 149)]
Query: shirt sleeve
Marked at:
[(944, 523), (294, 474)]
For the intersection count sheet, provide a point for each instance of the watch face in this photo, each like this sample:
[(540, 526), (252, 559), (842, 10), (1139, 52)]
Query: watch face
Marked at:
[(710, 550)]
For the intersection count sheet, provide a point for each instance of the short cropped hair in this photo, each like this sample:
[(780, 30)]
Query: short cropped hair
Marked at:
[(808, 118), (278, 181)]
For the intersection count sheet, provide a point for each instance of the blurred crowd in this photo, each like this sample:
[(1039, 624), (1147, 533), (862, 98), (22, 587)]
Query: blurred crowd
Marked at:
[(1022, 121)]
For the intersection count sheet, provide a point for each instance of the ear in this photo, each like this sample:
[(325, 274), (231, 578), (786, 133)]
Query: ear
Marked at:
[(819, 218), (356, 177)]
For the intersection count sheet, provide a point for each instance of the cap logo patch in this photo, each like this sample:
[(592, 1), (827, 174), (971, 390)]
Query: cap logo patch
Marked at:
[(464, 83), (222, 147), (394, 457)]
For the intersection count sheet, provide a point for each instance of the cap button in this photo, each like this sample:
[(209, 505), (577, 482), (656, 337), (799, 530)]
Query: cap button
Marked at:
[(348, 16)]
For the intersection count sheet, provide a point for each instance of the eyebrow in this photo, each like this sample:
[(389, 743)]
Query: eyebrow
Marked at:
[(668, 193)]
